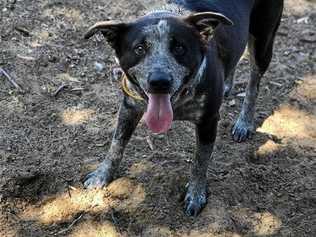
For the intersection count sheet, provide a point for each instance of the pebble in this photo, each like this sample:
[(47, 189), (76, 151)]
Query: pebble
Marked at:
[(232, 103), (308, 36), (243, 94), (99, 66), (304, 20)]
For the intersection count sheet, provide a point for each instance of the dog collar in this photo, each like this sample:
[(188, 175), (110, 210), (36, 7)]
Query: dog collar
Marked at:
[(127, 90)]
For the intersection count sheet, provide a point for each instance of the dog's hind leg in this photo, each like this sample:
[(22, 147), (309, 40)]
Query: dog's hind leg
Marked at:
[(260, 48), (229, 83), (129, 116), (196, 196)]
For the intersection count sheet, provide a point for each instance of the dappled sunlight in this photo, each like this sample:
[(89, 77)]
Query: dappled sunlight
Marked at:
[(306, 90), (140, 167), (41, 37), (94, 229), (70, 14), (294, 122), (65, 207), (66, 78), (258, 223), (265, 223), (121, 194), (5, 229), (157, 231), (267, 149), (163, 231), (289, 122), (198, 233), (75, 116), (127, 193), (14, 105), (298, 6)]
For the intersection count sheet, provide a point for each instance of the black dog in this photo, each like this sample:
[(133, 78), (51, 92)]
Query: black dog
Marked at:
[(176, 61)]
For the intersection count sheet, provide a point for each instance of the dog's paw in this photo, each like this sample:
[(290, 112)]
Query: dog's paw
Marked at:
[(98, 178), (195, 200), (242, 130)]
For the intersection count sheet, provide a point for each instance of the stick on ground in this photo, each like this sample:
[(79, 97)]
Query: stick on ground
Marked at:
[(10, 79), (70, 226)]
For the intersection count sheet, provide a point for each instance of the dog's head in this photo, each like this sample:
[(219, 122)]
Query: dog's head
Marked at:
[(160, 53)]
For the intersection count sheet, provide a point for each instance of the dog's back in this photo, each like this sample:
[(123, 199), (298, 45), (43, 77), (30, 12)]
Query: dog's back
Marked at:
[(257, 18)]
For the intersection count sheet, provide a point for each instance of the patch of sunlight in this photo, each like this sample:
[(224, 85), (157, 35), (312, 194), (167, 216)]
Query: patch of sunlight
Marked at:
[(306, 91), (266, 224), (258, 223), (6, 228), (157, 231), (66, 77), (75, 116), (138, 168), (127, 193), (14, 105), (299, 6), (267, 148), (41, 37), (289, 122), (95, 229), (70, 14), (64, 207), (206, 233), (35, 44), (121, 194)]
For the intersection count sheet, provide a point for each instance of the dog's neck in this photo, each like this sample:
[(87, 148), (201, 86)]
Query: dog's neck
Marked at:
[(191, 85)]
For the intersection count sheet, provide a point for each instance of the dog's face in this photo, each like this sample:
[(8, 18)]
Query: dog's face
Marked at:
[(160, 53)]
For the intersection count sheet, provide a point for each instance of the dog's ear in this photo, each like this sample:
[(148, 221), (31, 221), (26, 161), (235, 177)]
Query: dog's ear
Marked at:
[(206, 22), (111, 31)]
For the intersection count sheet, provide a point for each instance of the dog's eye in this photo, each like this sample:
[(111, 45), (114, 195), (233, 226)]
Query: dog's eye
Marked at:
[(179, 50), (140, 50)]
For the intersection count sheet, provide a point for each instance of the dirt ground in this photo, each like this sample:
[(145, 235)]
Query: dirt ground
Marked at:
[(49, 140)]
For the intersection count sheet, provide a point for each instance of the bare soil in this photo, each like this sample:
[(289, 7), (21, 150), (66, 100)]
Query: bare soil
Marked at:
[(50, 140)]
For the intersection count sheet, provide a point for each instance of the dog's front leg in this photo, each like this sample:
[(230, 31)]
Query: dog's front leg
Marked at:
[(129, 116), (196, 196)]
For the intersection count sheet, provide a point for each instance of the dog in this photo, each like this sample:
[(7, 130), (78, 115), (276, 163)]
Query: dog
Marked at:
[(179, 63)]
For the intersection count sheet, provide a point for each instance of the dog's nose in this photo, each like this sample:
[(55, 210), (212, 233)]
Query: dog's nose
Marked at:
[(159, 82)]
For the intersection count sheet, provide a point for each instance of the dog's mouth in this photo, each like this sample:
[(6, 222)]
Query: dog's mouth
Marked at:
[(159, 114)]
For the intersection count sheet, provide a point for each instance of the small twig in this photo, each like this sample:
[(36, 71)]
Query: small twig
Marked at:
[(70, 226), (275, 83), (67, 88), (68, 190), (113, 217), (77, 89), (72, 188), (25, 32), (59, 89), (10, 79), (27, 58), (150, 143)]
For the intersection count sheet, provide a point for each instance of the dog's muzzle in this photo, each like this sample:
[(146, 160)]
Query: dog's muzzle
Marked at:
[(159, 83)]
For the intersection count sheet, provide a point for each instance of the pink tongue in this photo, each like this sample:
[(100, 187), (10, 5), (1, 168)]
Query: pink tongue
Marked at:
[(159, 113)]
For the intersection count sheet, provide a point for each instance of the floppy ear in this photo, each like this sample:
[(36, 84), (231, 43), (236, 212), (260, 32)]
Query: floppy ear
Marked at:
[(206, 22), (111, 31)]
